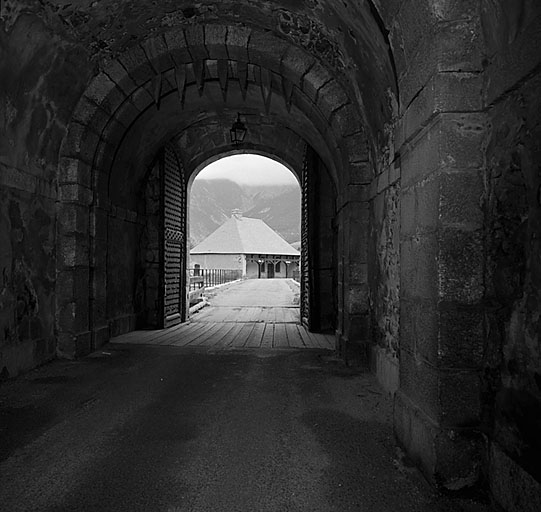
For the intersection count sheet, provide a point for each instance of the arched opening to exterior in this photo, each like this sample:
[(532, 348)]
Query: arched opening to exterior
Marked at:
[(245, 224), (239, 152), (248, 185)]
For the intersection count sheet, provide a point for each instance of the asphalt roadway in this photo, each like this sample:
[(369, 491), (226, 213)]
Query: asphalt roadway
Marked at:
[(155, 428)]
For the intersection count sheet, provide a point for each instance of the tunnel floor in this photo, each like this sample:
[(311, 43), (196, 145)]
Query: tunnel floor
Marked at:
[(175, 420), (162, 428)]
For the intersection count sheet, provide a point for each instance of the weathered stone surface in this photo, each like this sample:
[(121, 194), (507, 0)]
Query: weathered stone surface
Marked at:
[(237, 43), (512, 487), (384, 269), (445, 335), (177, 46), (215, 36), (460, 268), (444, 92), (27, 300), (267, 49), (513, 276), (448, 47), (419, 267), (449, 458), (450, 141), (137, 65), (315, 79), (156, 51), (295, 64), (451, 398), (511, 32)]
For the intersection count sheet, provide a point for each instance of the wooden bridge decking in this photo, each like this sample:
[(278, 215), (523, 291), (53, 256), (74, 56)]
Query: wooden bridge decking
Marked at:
[(230, 334), (249, 314)]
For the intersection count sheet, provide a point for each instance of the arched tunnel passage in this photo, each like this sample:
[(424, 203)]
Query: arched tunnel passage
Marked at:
[(191, 112), (163, 252), (421, 114)]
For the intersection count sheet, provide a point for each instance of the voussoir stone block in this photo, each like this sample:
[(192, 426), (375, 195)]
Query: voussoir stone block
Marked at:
[(137, 65), (157, 53), (73, 219), (195, 39), (177, 46), (118, 74), (346, 121), (72, 170), (266, 50), (74, 193), (315, 79), (101, 91), (215, 41), (237, 43), (331, 97), (295, 64)]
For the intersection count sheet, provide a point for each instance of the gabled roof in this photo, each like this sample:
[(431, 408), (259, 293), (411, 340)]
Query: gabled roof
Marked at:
[(242, 235)]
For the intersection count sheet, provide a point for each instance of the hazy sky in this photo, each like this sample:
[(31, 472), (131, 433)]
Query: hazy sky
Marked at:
[(248, 169)]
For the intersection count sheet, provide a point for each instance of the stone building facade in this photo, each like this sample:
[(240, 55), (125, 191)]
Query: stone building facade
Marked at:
[(249, 246), (414, 128)]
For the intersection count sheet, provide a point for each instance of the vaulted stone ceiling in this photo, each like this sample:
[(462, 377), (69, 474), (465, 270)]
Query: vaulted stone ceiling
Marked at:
[(320, 68), (348, 37)]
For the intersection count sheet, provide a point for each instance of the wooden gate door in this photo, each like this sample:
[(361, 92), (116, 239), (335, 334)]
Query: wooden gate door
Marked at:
[(307, 289), (174, 238), (270, 270)]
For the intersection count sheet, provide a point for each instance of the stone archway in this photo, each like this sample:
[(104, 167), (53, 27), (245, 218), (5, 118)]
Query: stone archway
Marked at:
[(378, 148), (97, 144)]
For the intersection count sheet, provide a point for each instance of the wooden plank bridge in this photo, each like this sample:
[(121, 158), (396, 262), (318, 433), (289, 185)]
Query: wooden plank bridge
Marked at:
[(249, 314)]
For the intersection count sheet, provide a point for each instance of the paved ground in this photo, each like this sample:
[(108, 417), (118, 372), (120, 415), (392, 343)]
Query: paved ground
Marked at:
[(253, 300), (257, 292), (154, 428), (173, 421)]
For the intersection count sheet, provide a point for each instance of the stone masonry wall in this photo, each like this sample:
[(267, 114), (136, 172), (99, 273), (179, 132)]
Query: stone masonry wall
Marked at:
[(41, 79), (27, 263), (439, 135), (513, 352), (147, 295), (384, 276), (512, 362)]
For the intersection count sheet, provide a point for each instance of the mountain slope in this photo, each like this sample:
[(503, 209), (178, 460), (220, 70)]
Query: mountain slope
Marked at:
[(211, 203)]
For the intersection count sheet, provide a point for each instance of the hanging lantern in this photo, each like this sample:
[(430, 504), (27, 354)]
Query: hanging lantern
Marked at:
[(238, 131)]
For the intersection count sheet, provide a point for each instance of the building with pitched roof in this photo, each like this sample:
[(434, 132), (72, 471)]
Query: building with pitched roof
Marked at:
[(249, 245)]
